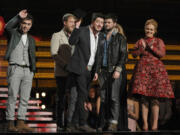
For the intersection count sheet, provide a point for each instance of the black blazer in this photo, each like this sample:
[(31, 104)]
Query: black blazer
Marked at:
[(79, 60)]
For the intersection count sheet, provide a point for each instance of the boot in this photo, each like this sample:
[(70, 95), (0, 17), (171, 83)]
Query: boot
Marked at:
[(11, 126), (86, 128), (112, 127), (22, 127)]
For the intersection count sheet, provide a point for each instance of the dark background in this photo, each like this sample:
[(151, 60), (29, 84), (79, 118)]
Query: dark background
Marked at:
[(132, 15)]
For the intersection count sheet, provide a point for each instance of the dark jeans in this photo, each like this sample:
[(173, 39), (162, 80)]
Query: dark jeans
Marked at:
[(71, 104), (82, 82), (110, 96), (113, 100), (72, 99), (60, 100)]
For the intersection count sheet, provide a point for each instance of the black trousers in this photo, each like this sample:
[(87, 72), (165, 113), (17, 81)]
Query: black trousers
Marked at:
[(60, 100), (83, 84)]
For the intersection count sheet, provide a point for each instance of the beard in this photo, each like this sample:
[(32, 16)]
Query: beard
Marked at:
[(68, 30), (108, 30), (23, 30)]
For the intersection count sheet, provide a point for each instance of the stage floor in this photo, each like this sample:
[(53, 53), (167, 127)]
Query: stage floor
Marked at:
[(102, 133), (3, 131)]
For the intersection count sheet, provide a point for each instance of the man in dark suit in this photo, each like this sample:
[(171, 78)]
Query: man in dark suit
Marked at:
[(81, 64)]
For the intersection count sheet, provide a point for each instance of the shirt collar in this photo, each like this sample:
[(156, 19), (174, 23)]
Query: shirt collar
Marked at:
[(113, 34), (65, 32), (91, 31), (24, 34)]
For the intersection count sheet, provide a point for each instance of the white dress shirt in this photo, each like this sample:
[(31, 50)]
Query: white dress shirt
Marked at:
[(24, 39), (93, 46)]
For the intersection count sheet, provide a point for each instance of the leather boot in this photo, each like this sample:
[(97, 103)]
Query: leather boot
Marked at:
[(22, 127), (112, 127), (11, 127)]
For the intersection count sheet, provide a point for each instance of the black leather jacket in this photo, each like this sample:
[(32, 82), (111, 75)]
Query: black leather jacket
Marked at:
[(117, 53)]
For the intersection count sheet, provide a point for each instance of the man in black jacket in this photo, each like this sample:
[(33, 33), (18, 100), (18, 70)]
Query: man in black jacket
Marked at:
[(81, 64), (110, 68), (22, 66)]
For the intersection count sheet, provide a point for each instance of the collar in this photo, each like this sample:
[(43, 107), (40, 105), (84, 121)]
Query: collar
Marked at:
[(113, 34), (24, 34), (91, 31), (65, 32)]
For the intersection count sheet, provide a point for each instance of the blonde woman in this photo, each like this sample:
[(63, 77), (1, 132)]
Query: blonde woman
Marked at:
[(119, 29), (150, 81)]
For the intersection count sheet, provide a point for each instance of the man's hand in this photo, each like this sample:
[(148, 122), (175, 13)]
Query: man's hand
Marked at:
[(116, 75), (87, 106), (78, 23), (23, 13), (95, 77)]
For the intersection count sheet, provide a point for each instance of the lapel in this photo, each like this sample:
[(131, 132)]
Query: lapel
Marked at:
[(101, 41), (101, 36), (28, 40), (31, 43), (64, 37), (111, 40), (87, 33), (16, 39)]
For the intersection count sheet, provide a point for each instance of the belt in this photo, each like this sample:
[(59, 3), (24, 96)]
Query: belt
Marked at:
[(23, 66)]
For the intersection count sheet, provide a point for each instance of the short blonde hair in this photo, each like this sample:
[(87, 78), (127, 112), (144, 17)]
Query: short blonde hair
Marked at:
[(66, 17), (153, 22)]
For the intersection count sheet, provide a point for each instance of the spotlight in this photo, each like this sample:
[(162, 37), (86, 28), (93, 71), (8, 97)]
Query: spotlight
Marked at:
[(37, 95), (43, 94), (43, 107)]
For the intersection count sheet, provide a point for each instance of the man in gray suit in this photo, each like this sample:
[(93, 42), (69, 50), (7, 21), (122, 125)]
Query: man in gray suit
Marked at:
[(22, 66)]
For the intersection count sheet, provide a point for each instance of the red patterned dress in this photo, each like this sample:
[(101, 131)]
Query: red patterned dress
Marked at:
[(150, 77)]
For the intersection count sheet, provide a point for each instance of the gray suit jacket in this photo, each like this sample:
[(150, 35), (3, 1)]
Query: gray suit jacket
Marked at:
[(14, 36)]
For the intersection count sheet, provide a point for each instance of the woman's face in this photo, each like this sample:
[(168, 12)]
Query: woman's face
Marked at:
[(92, 93), (149, 30)]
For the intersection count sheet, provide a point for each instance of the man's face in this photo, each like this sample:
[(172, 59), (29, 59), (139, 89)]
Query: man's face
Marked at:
[(109, 24), (70, 24), (98, 24), (25, 26)]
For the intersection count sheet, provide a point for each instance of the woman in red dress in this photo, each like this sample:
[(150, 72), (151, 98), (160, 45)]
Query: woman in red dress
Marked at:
[(150, 79)]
